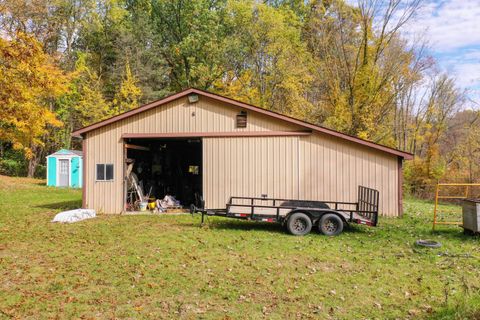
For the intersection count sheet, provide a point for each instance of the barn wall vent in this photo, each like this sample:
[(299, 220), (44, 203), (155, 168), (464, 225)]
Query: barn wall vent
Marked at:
[(242, 119)]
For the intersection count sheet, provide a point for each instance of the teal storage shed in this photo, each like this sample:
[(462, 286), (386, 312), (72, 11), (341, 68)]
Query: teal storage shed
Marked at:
[(65, 169)]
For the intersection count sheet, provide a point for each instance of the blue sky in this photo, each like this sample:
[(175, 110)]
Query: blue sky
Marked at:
[(452, 29)]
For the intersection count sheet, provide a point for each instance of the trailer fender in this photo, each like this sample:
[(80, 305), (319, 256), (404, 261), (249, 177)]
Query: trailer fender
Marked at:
[(340, 215), (309, 214)]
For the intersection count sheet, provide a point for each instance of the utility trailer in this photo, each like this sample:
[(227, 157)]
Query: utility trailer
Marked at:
[(299, 216)]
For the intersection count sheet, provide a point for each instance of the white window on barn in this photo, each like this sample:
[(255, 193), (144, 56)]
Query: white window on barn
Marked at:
[(104, 172)]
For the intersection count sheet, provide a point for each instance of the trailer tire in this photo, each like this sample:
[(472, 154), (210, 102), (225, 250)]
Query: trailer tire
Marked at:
[(299, 224), (428, 243), (330, 224)]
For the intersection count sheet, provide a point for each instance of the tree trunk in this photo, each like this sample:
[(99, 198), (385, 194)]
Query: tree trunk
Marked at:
[(33, 162), (32, 167)]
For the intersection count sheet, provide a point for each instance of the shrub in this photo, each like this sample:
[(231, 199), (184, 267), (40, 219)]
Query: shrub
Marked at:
[(421, 177), (12, 167), (41, 172)]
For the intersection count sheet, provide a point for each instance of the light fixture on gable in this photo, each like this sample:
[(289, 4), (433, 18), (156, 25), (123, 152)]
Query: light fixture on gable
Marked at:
[(193, 98)]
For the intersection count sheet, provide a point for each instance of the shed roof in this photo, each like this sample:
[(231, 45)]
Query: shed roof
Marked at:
[(63, 152), (154, 104)]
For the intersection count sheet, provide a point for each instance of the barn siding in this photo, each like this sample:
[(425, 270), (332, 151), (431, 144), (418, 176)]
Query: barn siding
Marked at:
[(332, 169), (249, 166), (317, 166), (311, 167)]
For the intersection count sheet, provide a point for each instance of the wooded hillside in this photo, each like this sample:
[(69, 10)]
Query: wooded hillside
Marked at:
[(65, 64)]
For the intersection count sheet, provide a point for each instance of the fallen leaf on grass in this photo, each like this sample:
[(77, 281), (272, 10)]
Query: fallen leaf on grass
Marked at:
[(264, 310), (427, 308), (413, 312), (317, 309)]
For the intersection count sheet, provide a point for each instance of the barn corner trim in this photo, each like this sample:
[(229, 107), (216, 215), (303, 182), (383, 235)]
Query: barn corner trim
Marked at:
[(306, 125)]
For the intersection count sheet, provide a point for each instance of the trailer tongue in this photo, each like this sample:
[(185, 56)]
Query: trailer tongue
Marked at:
[(299, 216)]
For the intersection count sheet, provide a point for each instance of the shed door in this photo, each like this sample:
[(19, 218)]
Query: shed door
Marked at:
[(64, 168)]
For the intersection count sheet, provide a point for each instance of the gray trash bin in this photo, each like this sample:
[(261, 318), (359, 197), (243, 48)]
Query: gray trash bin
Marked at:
[(471, 215)]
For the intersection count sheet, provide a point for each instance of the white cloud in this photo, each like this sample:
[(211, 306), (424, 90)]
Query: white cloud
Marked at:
[(467, 74), (448, 25), (472, 54), (452, 29), (464, 65)]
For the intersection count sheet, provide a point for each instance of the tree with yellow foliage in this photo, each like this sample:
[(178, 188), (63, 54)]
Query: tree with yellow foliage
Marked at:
[(267, 63), (30, 82), (82, 105), (128, 94)]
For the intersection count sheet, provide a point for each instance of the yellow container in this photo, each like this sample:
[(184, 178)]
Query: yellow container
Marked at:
[(151, 203)]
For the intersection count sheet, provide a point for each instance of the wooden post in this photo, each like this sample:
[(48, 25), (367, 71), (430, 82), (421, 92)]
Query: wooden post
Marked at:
[(435, 208)]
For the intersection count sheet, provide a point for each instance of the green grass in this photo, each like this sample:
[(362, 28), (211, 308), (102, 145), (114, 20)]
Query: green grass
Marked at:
[(170, 267)]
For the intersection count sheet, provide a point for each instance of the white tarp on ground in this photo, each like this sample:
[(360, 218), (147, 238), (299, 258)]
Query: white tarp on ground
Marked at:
[(74, 215)]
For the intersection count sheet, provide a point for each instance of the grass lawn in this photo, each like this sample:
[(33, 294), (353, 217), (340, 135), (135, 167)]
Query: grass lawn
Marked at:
[(170, 267)]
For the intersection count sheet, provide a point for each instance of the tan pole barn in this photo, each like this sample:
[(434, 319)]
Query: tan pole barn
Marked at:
[(244, 151)]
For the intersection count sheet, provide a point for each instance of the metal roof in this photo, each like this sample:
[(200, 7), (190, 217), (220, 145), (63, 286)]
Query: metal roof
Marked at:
[(63, 152)]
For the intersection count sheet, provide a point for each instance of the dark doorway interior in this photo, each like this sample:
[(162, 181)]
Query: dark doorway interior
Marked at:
[(169, 167)]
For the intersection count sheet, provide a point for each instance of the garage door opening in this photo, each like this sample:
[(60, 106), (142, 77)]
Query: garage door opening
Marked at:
[(160, 168)]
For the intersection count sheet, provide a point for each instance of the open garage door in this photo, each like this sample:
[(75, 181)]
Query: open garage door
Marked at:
[(164, 167)]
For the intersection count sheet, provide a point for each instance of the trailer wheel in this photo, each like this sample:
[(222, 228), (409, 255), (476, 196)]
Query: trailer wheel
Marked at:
[(299, 224), (330, 224)]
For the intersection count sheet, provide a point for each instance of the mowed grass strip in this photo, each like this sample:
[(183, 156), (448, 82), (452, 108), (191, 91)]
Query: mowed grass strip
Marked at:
[(170, 267)]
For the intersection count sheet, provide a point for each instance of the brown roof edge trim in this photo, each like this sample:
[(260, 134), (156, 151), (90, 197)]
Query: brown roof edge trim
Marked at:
[(403, 154), (407, 156), (215, 134)]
